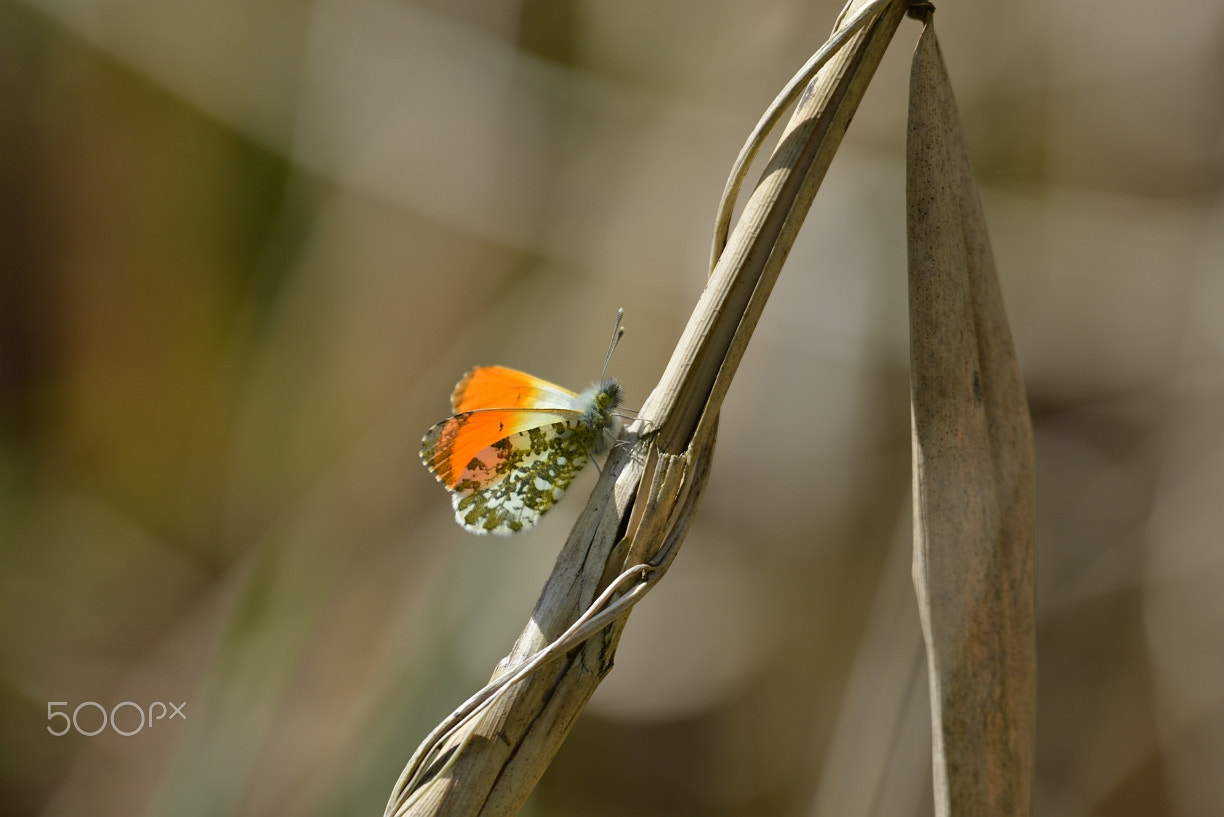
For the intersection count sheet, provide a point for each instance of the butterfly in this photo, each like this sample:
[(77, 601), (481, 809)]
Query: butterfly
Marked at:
[(515, 444)]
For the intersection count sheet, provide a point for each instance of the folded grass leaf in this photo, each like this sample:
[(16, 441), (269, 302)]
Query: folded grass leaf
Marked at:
[(974, 543)]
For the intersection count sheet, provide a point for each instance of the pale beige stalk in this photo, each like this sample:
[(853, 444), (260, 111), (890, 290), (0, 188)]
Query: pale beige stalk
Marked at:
[(487, 759)]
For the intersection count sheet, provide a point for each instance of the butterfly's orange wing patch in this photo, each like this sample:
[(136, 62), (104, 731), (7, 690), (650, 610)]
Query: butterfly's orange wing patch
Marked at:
[(497, 387)]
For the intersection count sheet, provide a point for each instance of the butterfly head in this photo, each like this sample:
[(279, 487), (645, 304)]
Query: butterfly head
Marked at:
[(598, 405)]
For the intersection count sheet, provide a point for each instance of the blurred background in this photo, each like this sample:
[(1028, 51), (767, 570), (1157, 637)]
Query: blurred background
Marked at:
[(246, 250)]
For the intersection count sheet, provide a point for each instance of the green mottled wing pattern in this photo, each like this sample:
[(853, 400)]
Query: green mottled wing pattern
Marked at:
[(507, 486)]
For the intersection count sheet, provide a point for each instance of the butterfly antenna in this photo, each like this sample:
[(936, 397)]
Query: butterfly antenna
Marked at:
[(618, 332)]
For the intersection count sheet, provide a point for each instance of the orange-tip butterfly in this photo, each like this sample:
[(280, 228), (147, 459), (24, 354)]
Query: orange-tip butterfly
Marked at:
[(516, 443)]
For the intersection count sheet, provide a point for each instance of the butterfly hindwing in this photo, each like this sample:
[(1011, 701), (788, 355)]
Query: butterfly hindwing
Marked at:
[(507, 486)]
